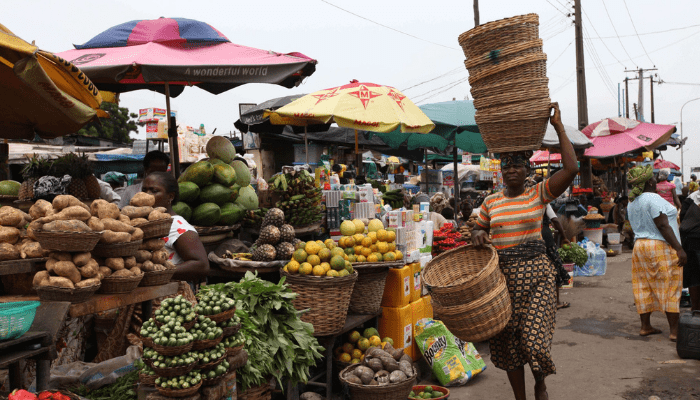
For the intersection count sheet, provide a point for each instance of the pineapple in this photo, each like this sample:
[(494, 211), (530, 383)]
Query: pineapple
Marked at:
[(287, 233), (91, 183), (35, 169), (284, 250), (265, 252), (274, 217), (269, 234), (70, 164)]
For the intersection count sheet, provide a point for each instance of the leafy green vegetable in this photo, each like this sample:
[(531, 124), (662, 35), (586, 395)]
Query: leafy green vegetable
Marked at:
[(573, 253), (278, 343), (123, 389)]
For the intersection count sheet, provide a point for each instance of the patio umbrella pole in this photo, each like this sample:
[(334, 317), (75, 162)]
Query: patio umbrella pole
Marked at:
[(306, 143), (455, 176), (358, 156), (172, 135)]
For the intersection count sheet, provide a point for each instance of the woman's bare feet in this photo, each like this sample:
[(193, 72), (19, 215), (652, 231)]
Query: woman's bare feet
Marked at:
[(541, 391), (649, 331)]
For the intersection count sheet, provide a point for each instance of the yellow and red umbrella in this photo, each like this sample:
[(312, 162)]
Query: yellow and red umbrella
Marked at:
[(357, 105), (41, 93)]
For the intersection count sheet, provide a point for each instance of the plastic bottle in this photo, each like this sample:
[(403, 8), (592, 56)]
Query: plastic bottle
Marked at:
[(601, 261)]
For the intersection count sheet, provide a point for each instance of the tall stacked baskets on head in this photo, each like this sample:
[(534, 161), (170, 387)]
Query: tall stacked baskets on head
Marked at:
[(508, 76)]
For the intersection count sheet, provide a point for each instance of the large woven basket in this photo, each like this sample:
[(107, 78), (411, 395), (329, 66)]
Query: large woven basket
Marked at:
[(77, 295), (480, 319), (326, 298), (170, 372), (505, 93), (156, 278), (462, 275), (222, 316), (519, 135), (528, 66), (120, 284), (499, 34), (481, 65), (261, 392), (367, 293), (67, 241), (170, 351), (156, 229), (206, 343), (126, 249), (391, 391), (179, 392)]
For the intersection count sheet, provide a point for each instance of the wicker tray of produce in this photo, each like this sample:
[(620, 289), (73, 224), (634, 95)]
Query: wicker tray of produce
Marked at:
[(390, 391), (241, 266), (231, 330), (172, 350), (216, 230), (233, 351), (179, 392), (76, 295), (125, 249), (155, 229), (211, 364), (222, 316), (120, 284), (213, 381), (67, 241), (148, 380), (22, 262), (206, 343), (156, 278), (170, 372), (147, 342)]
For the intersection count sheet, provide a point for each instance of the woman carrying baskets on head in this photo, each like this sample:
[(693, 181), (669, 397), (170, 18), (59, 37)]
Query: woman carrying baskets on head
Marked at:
[(514, 217)]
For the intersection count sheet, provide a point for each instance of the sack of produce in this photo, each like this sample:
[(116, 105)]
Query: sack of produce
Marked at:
[(453, 361)]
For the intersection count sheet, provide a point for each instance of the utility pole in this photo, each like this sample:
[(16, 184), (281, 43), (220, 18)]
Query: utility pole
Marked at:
[(639, 114), (627, 98), (586, 173), (651, 93), (476, 13)]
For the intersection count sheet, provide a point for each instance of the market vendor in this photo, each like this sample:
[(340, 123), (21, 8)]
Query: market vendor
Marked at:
[(154, 161), (514, 217), (185, 249)]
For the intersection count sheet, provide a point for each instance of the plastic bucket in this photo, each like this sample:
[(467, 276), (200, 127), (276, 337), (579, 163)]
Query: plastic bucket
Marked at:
[(594, 235), (613, 238), (617, 248)]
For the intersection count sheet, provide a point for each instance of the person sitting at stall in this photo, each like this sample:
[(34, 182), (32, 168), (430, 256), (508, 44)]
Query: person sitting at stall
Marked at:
[(184, 248), (449, 215), (116, 181), (514, 217), (154, 161)]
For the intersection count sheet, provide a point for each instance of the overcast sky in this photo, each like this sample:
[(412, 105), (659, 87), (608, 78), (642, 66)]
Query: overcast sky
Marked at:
[(417, 43)]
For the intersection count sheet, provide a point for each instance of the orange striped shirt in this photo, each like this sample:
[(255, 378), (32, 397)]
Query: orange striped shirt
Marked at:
[(515, 220)]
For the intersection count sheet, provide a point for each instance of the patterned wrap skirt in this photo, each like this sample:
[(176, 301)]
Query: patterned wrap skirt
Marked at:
[(527, 339), (657, 279)]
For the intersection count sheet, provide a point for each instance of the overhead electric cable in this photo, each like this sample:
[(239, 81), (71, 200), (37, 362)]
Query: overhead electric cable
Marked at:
[(616, 34), (557, 8), (647, 33), (559, 56), (635, 30), (437, 77), (596, 32), (443, 91), (388, 27), (661, 48), (441, 87)]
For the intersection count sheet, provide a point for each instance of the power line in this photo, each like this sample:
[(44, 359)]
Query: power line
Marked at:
[(647, 33), (442, 87), (661, 48), (595, 57), (388, 27), (443, 91), (635, 30), (596, 32), (437, 77), (613, 26), (562, 53), (567, 82), (678, 83), (557, 8)]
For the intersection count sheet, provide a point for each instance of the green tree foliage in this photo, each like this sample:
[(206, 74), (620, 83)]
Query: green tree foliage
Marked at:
[(118, 127)]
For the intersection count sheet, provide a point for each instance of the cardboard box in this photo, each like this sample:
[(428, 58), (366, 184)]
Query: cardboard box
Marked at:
[(397, 323), (397, 289)]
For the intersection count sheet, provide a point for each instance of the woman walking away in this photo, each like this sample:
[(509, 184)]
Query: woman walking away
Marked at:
[(514, 216), (657, 257), (690, 238), (666, 189)]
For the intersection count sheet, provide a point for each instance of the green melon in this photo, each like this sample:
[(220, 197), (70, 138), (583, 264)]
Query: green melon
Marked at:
[(199, 173), (206, 214), (189, 191), (247, 198), (235, 188), (242, 173), (183, 210), (215, 193), (231, 214), (216, 161), (224, 174), (221, 148), (9, 188)]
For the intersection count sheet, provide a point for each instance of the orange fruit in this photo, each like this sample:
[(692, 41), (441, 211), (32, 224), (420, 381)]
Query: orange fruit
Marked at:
[(337, 251), (361, 258), (314, 260), (374, 248), (399, 255), (366, 251), (354, 336), (358, 249), (312, 248), (347, 228), (293, 267), (345, 357), (382, 247), (305, 269), (318, 271), (390, 256), (373, 236), (357, 353), (367, 241), (358, 237), (382, 235), (359, 225), (324, 254), (372, 258), (300, 255), (392, 246), (326, 267), (355, 361), (363, 344), (330, 243), (375, 341), (332, 273), (391, 236), (337, 263)]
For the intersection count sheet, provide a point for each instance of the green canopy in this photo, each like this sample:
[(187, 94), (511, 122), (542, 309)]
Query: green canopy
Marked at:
[(452, 119)]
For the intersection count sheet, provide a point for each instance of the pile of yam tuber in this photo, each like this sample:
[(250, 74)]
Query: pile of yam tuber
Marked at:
[(14, 243), (382, 367)]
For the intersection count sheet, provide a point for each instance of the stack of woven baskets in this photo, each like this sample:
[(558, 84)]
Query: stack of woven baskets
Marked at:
[(508, 77), (469, 292)]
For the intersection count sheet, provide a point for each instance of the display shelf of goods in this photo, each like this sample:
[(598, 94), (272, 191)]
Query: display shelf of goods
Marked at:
[(356, 345), (216, 192), (300, 198)]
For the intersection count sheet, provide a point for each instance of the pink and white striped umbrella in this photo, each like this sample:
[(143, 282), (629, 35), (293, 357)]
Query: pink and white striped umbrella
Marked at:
[(609, 126), (615, 136)]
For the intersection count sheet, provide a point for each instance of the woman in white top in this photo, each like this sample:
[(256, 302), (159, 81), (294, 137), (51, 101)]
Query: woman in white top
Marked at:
[(183, 244)]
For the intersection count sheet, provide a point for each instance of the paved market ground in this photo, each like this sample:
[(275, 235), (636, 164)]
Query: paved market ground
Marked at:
[(598, 351)]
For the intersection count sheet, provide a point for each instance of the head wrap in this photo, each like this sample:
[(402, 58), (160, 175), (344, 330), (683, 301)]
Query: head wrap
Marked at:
[(663, 173), (115, 177), (637, 177), (515, 158)]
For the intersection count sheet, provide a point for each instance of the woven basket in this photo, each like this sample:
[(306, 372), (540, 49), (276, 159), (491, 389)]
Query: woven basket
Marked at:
[(261, 392), (156, 278), (213, 381), (147, 342), (515, 127), (120, 284), (179, 392), (222, 316), (156, 229), (206, 344), (148, 380), (211, 364), (529, 66), (480, 66), (498, 34), (172, 350), (67, 241), (461, 275), (367, 293), (126, 249), (326, 298), (170, 372), (391, 391), (231, 330), (478, 320), (233, 351), (77, 295), (504, 93), (186, 325), (237, 361)]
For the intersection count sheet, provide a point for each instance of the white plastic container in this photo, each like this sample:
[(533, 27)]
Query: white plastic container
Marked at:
[(617, 248), (613, 238), (595, 235)]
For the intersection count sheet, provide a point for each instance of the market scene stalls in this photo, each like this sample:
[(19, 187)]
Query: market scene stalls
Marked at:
[(351, 242)]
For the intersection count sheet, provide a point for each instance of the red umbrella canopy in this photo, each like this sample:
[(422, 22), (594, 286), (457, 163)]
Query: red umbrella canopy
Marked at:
[(144, 54), (616, 136), (660, 164), (544, 157)]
